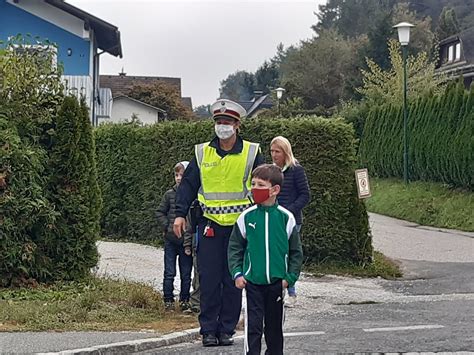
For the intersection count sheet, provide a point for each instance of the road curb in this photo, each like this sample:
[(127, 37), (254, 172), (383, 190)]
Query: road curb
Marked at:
[(132, 346)]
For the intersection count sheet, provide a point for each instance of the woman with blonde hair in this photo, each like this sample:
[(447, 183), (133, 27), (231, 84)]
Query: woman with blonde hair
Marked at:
[(294, 194)]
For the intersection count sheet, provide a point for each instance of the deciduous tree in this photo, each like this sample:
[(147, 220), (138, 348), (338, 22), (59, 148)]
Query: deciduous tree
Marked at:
[(381, 86), (164, 96), (239, 86), (318, 70)]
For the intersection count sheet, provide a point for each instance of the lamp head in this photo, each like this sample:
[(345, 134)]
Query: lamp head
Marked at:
[(403, 29)]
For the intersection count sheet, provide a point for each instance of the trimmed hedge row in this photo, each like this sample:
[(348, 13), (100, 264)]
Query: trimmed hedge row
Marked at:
[(440, 139), (135, 169)]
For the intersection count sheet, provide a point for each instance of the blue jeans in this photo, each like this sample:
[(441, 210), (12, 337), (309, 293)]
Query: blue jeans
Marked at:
[(292, 290), (172, 252)]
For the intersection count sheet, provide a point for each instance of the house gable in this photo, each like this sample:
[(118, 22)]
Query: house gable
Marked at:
[(16, 20), (124, 107), (53, 15)]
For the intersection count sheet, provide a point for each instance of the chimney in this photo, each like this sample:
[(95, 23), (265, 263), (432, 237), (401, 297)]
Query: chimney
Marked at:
[(122, 73), (257, 94)]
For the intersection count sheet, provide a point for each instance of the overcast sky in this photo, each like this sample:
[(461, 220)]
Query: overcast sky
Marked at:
[(200, 42)]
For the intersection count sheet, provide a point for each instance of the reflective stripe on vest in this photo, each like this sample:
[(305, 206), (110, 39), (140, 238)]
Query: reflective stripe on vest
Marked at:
[(225, 182), (225, 209)]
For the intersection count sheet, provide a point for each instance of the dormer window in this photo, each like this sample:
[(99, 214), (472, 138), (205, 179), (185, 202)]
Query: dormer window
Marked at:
[(454, 52), (458, 52)]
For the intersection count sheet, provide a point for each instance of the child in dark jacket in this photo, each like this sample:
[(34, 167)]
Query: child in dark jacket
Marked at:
[(175, 247), (265, 257)]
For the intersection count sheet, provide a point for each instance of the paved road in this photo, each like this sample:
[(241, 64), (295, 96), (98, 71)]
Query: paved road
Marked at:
[(407, 240), (435, 300), (430, 310)]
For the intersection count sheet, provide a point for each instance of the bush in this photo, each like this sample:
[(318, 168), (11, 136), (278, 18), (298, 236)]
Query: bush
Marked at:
[(49, 197), (136, 167), (30, 90), (25, 213), (440, 139)]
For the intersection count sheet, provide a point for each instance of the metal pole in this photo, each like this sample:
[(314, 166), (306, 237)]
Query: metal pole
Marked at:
[(279, 109), (405, 118)]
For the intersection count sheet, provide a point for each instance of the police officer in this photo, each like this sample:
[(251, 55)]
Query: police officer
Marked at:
[(219, 175)]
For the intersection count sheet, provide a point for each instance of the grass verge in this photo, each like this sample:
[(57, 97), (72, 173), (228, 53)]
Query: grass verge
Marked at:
[(95, 304), (425, 203), (380, 267)]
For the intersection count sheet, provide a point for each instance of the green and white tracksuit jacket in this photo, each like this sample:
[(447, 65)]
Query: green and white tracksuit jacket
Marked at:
[(265, 246)]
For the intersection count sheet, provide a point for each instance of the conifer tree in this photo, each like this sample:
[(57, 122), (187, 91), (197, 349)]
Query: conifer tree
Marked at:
[(448, 23), (72, 242)]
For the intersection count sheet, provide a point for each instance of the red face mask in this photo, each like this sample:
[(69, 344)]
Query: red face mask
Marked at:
[(260, 195)]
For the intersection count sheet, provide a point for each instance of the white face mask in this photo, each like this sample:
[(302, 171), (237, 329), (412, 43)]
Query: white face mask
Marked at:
[(224, 131)]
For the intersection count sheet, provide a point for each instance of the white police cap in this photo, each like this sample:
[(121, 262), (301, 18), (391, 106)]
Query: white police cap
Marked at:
[(228, 108)]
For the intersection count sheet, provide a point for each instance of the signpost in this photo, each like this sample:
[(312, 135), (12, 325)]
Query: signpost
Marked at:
[(362, 180)]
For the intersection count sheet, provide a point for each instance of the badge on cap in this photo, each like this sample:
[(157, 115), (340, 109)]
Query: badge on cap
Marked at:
[(228, 108)]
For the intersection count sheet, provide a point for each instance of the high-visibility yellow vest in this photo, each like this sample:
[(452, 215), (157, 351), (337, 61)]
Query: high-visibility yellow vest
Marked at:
[(225, 182)]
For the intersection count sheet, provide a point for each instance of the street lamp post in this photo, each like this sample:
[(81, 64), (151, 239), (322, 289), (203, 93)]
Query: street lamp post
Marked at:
[(279, 92), (404, 38)]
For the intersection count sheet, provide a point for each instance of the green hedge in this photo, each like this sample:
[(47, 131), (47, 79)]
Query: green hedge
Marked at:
[(135, 169), (440, 139)]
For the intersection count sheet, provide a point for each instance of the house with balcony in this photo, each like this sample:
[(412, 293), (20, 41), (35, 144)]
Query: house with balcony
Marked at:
[(80, 39)]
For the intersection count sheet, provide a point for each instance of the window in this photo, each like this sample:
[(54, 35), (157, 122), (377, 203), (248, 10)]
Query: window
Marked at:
[(458, 52), (450, 53), (454, 52), (39, 52)]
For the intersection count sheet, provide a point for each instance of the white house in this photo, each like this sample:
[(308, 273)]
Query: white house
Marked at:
[(125, 107)]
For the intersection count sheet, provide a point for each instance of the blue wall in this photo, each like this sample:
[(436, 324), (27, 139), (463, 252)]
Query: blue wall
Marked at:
[(14, 20)]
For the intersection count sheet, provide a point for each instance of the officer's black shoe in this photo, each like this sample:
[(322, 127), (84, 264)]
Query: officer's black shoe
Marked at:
[(209, 340), (226, 339)]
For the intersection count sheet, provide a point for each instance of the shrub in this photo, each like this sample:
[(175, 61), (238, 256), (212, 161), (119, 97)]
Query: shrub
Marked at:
[(25, 213), (30, 90), (135, 169), (49, 197)]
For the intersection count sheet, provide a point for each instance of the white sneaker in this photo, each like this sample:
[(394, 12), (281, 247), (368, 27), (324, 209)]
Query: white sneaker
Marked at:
[(290, 301)]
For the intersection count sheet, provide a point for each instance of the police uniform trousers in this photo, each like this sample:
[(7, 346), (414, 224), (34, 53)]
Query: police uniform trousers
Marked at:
[(221, 301)]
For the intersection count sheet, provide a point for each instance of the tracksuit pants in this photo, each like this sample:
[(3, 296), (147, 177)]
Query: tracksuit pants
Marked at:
[(265, 315), (221, 301)]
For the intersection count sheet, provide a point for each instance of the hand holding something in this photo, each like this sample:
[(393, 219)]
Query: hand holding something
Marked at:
[(240, 282), (284, 283)]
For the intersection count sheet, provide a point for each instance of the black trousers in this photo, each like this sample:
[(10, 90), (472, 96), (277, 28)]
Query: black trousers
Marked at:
[(265, 307), (221, 301)]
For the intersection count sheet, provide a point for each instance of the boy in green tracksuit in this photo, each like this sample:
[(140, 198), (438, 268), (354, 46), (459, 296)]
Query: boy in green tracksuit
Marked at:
[(265, 257)]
